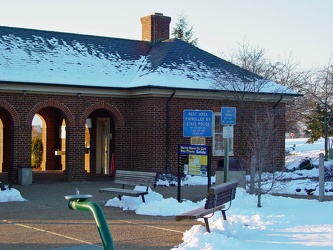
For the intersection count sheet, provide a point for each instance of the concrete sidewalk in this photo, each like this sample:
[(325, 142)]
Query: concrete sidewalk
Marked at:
[(44, 221)]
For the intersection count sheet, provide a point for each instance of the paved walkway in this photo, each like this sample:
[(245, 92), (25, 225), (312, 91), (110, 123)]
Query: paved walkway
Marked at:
[(44, 221)]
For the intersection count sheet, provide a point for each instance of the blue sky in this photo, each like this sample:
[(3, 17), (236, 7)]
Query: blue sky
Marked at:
[(281, 27)]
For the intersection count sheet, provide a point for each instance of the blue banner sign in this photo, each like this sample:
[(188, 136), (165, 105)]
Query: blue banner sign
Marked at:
[(186, 149)]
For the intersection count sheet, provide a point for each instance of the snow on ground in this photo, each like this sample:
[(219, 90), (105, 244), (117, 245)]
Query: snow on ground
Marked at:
[(280, 223)]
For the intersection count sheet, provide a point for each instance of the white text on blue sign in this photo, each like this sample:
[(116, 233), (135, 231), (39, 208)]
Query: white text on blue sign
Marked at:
[(198, 123), (228, 115)]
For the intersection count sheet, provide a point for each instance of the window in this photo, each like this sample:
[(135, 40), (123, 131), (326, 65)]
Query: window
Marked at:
[(218, 143)]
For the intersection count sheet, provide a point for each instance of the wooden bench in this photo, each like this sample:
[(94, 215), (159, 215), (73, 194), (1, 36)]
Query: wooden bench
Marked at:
[(217, 196), (132, 178)]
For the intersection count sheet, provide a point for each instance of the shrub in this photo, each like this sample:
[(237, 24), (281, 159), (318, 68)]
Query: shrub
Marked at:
[(328, 173), (306, 164), (36, 152)]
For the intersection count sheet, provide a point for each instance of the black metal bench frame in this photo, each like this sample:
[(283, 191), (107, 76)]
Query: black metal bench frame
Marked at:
[(132, 178), (216, 199)]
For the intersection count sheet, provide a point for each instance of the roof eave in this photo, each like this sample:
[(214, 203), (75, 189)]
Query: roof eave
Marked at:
[(139, 91)]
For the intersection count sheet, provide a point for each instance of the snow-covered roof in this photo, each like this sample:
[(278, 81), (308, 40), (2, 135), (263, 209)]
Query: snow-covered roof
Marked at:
[(46, 57)]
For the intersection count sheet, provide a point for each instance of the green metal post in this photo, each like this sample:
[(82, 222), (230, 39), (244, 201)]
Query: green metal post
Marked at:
[(226, 160), (102, 226)]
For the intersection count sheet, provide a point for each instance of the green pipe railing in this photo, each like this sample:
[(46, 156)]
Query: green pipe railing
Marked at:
[(78, 202)]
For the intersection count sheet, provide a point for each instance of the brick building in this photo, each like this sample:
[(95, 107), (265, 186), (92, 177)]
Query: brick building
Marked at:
[(104, 100)]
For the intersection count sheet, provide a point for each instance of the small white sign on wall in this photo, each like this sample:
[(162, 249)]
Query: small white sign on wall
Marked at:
[(228, 131), (63, 132)]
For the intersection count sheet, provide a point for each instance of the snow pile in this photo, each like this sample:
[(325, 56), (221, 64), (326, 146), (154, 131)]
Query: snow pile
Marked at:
[(10, 195)]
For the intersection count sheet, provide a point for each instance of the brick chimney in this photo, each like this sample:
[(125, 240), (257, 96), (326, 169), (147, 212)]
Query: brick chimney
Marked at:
[(155, 26)]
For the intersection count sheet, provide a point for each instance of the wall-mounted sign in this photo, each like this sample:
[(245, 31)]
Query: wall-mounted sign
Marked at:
[(197, 123), (198, 140)]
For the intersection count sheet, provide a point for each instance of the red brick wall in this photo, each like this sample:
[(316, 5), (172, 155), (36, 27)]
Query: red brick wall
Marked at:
[(148, 131), (140, 129), (178, 105)]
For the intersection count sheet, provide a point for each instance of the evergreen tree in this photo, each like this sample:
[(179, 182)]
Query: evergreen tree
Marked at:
[(183, 32), (316, 123), (36, 152)]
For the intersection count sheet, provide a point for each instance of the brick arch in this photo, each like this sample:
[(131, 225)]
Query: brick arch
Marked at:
[(11, 110), (70, 121), (118, 118)]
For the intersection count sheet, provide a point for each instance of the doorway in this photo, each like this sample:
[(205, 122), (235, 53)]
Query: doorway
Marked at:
[(103, 143)]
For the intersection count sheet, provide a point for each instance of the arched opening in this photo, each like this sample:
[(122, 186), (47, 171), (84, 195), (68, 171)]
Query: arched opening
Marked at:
[(37, 156), (50, 126), (100, 142), (5, 141), (88, 126)]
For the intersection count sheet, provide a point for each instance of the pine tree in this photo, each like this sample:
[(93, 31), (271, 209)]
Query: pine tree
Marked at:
[(36, 152), (183, 32), (316, 123)]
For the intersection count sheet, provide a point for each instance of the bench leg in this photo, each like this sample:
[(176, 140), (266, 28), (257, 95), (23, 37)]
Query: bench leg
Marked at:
[(143, 198), (224, 215), (119, 196), (207, 224)]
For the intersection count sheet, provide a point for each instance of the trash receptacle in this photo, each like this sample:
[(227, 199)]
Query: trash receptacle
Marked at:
[(236, 172), (25, 175), (235, 164)]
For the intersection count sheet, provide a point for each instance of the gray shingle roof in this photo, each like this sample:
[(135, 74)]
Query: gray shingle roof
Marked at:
[(47, 57)]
